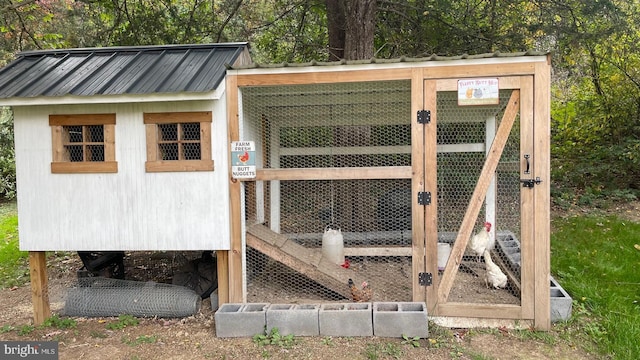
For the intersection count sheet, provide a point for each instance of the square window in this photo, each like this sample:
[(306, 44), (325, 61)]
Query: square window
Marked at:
[(83, 143), (178, 141)]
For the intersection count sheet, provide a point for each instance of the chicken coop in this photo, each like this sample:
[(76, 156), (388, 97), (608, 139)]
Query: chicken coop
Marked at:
[(404, 161)]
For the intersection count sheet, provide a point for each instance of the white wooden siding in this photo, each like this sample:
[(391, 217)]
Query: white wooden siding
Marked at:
[(127, 210)]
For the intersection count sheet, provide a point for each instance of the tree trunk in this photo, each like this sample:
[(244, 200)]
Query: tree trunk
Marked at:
[(360, 27), (335, 22), (351, 28)]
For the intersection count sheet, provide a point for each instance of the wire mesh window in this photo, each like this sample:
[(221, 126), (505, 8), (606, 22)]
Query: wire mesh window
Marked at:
[(178, 141), (83, 143)]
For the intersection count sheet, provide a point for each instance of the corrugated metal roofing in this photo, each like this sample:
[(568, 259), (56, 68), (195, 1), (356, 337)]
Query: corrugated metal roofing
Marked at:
[(119, 70), (403, 59)]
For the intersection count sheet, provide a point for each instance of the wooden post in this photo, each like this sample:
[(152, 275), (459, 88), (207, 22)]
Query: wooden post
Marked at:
[(542, 221), (39, 286), (235, 253)]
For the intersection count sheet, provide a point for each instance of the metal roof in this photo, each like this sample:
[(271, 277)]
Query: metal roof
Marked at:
[(403, 59), (120, 70)]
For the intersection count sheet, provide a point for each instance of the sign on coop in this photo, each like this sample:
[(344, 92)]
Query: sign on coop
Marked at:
[(243, 159), (478, 92)]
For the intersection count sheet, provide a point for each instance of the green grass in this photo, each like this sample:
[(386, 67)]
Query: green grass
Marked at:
[(13, 262), (597, 261)]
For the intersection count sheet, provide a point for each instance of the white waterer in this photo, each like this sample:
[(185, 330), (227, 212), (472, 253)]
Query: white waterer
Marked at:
[(333, 245)]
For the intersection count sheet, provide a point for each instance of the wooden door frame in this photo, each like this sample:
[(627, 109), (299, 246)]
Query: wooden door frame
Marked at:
[(522, 103)]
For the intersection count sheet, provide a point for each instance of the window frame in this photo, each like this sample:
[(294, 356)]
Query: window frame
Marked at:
[(61, 165), (152, 120)]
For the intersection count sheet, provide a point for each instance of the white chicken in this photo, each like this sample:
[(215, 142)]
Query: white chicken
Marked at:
[(494, 275), (482, 241)]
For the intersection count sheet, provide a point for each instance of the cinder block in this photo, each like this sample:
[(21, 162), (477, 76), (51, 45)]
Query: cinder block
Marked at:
[(346, 319), (240, 320), (395, 319), (291, 319), (561, 302)]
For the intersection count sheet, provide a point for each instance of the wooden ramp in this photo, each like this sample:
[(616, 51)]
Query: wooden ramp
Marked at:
[(306, 261)]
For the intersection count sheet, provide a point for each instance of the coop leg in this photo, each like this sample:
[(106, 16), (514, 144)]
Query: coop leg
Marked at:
[(39, 286)]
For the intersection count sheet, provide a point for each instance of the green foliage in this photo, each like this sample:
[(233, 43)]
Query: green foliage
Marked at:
[(380, 351), (142, 339), (13, 262), (6, 329), (328, 340), (57, 322), (274, 338), (7, 155), (596, 261), (123, 322), (413, 342), (25, 330)]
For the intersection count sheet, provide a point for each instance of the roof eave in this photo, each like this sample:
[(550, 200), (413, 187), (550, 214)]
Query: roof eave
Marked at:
[(496, 58), (114, 99)]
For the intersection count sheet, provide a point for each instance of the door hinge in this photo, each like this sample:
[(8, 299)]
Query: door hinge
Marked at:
[(424, 198), (425, 279), (529, 183), (424, 116)]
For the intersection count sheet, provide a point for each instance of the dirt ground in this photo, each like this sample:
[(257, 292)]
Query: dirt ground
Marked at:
[(194, 337)]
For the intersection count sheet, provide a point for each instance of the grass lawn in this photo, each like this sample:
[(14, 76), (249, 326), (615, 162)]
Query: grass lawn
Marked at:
[(597, 260), (14, 268)]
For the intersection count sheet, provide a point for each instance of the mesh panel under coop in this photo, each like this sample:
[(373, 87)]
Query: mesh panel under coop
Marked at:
[(97, 296)]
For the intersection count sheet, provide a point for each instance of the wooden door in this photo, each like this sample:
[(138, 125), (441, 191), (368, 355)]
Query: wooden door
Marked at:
[(474, 159)]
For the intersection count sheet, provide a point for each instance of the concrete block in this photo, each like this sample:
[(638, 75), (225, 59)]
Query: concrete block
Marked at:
[(291, 319), (240, 320), (346, 319), (395, 319), (561, 302)]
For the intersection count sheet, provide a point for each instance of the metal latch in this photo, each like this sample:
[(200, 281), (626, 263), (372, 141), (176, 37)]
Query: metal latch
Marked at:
[(529, 183), (425, 279), (424, 198), (424, 116)]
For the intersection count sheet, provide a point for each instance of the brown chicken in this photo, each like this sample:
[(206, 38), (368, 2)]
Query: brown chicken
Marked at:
[(364, 294)]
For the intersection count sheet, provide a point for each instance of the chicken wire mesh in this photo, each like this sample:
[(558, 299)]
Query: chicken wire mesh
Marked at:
[(83, 142), (97, 296), (179, 141), (364, 125), (462, 132)]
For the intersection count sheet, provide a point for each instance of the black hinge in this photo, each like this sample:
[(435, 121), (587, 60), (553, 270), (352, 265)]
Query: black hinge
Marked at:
[(424, 198), (424, 116), (425, 279)]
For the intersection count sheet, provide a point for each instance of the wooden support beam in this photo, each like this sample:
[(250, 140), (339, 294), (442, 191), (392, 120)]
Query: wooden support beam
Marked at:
[(39, 286), (306, 261), (542, 221), (222, 260), (382, 172), (235, 253)]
